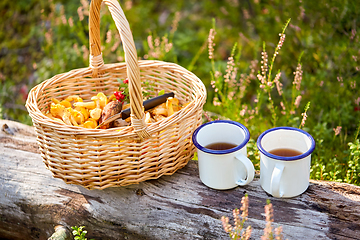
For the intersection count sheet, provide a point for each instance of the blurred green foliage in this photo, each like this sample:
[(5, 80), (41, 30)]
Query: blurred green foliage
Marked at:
[(39, 39)]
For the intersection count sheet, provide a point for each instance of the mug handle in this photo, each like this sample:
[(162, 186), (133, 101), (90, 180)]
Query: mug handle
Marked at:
[(275, 181), (250, 170)]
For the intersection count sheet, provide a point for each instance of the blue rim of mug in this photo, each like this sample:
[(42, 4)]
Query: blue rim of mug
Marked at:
[(204, 149), (305, 154)]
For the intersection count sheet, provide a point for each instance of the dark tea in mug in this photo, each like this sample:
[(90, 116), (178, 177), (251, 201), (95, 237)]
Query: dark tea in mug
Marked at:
[(285, 152), (220, 146)]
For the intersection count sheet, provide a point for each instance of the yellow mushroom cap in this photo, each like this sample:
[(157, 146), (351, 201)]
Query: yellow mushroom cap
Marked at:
[(57, 110), (101, 98), (90, 123)]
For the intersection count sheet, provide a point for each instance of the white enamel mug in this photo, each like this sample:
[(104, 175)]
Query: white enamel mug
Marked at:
[(223, 169), (285, 177)]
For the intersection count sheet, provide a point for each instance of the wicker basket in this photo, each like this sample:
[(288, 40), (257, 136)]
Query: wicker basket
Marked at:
[(101, 158)]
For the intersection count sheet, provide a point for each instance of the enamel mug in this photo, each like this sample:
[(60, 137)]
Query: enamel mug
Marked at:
[(285, 176), (228, 168)]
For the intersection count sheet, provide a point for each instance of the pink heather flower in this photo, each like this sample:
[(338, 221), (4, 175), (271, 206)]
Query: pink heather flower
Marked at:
[(245, 207), (71, 22), (80, 13), (261, 78), (353, 33), (269, 219), (175, 23), (48, 37), (231, 95), (229, 69), (85, 52), (278, 83), (248, 233), (357, 101), (297, 101), (108, 36), (128, 4), (298, 77), (150, 43), (157, 41), (246, 14), (282, 105), (281, 42), (269, 84), (341, 81), (237, 221), (353, 84), (225, 222), (63, 19), (217, 74), (337, 130), (75, 47), (237, 231), (303, 119), (216, 101), (211, 43), (264, 63), (302, 13), (278, 233), (116, 45), (321, 83), (242, 112)]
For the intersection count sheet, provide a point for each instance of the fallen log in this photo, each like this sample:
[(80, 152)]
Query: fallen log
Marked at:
[(32, 203)]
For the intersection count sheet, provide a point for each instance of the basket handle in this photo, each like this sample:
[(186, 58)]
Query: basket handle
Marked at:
[(132, 66)]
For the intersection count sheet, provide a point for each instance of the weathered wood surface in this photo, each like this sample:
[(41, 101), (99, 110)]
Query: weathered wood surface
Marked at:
[(32, 203)]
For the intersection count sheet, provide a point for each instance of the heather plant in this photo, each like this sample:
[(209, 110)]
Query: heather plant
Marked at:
[(231, 89), (79, 232), (238, 231)]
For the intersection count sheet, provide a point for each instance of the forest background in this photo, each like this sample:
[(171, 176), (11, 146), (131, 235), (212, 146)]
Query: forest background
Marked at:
[(264, 63)]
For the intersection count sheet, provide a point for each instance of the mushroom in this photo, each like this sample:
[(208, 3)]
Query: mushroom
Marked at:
[(102, 99), (90, 123), (96, 112), (88, 105), (92, 105), (65, 102), (172, 105), (83, 111), (148, 118), (74, 98), (69, 112), (54, 118), (160, 110), (59, 110), (76, 116)]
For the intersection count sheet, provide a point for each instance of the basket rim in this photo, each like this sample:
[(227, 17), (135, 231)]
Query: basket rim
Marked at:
[(38, 117)]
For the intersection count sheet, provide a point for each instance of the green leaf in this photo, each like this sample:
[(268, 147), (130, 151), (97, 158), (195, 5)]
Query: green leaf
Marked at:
[(162, 92)]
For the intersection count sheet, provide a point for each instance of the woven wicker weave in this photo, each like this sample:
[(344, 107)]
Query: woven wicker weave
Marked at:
[(101, 158)]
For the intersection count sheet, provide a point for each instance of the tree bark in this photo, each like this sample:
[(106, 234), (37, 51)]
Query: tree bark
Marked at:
[(32, 203)]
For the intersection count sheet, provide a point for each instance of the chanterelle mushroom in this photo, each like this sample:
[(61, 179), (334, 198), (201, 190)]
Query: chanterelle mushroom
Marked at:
[(96, 112)]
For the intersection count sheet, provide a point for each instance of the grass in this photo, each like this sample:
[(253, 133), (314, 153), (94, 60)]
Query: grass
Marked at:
[(315, 70)]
